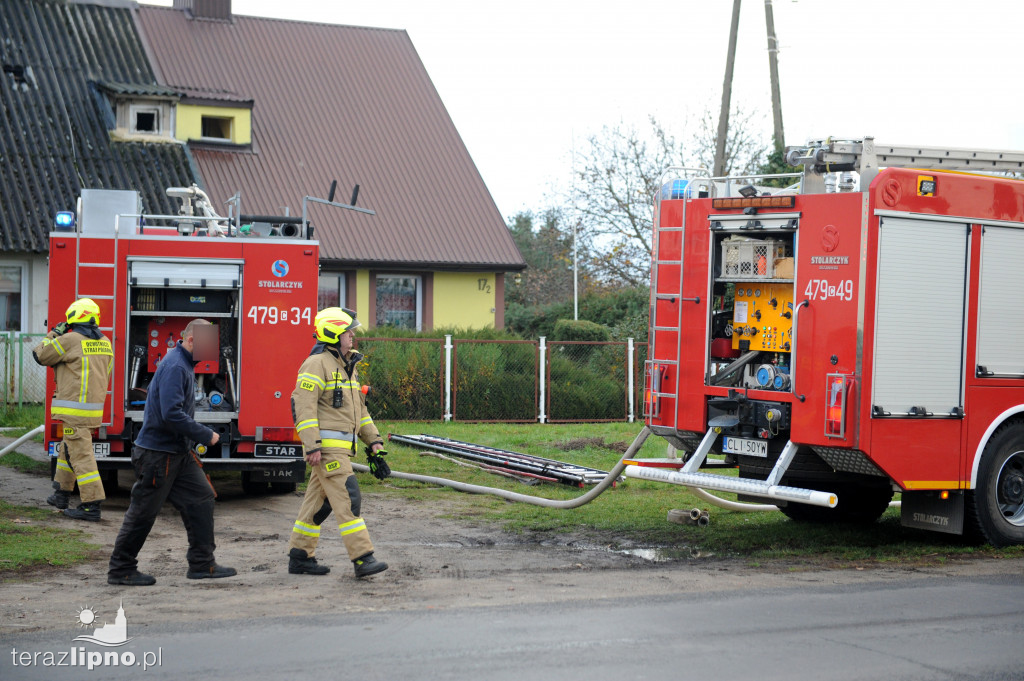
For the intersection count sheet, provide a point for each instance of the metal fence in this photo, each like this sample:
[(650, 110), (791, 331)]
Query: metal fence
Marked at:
[(406, 377), (495, 380), (23, 381), (502, 380), (433, 379)]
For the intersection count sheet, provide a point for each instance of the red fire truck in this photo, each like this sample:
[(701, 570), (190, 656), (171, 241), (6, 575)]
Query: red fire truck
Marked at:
[(837, 345), (151, 275)]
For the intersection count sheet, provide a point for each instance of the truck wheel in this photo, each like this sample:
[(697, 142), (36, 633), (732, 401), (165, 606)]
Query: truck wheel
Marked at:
[(995, 508), (282, 487), (858, 504), (253, 486)]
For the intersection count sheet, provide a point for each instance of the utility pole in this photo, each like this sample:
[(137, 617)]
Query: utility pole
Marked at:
[(773, 68), (723, 117)]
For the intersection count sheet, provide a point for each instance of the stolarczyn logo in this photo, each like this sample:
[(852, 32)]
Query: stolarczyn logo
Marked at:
[(109, 635), (279, 268)]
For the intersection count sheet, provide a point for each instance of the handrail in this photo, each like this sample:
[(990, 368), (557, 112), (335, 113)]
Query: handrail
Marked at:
[(792, 376)]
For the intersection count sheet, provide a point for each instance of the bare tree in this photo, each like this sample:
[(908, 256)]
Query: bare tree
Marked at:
[(745, 146), (546, 246), (617, 177)]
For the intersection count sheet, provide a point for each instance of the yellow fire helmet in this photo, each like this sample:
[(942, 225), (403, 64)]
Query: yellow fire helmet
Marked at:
[(84, 311), (331, 322)]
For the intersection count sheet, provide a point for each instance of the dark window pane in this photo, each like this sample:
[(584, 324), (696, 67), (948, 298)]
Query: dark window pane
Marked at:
[(145, 121)]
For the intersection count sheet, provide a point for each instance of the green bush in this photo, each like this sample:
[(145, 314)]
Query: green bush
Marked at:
[(579, 330), (624, 311)]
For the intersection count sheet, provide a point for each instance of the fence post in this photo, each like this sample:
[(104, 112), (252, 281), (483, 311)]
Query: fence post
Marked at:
[(447, 377), (629, 363), (542, 417), (8, 360), (21, 370)]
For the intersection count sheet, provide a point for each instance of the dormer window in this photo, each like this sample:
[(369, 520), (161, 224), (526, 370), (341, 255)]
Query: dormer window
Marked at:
[(140, 112)]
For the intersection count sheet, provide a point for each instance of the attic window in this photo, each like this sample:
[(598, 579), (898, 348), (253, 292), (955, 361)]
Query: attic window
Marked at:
[(145, 120), (216, 128)]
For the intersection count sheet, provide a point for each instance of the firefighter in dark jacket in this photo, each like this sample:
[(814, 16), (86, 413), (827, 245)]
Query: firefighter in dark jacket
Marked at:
[(330, 413), (168, 470), (80, 356)]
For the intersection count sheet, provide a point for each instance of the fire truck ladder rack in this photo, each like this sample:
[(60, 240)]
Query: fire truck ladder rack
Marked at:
[(656, 356), (770, 488), (567, 473), (867, 157), (102, 293)]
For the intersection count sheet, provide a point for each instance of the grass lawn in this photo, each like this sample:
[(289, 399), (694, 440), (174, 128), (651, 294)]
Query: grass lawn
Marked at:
[(27, 540), (22, 420), (635, 511), (25, 464)]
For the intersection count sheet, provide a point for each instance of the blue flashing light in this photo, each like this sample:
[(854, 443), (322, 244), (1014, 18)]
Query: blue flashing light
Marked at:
[(65, 221), (676, 189)]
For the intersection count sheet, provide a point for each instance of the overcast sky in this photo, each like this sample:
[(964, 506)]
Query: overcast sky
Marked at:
[(525, 81)]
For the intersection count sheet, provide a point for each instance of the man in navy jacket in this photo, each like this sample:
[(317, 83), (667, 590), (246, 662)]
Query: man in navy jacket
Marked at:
[(167, 470)]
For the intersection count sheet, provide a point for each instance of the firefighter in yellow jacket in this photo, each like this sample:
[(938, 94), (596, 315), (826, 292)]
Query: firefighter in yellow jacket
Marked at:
[(329, 410), (80, 356)]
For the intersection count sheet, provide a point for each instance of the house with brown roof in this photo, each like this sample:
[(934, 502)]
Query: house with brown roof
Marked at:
[(273, 111), (72, 74)]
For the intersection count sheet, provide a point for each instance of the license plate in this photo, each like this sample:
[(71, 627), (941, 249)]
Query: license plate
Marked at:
[(99, 449), (278, 451), (283, 473), (745, 446)]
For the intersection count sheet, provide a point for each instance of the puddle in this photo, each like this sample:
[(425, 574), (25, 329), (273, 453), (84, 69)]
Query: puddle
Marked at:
[(663, 555)]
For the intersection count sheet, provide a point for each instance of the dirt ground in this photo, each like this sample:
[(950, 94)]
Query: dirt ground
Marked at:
[(436, 562)]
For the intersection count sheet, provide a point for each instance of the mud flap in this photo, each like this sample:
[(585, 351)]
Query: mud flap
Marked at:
[(927, 510)]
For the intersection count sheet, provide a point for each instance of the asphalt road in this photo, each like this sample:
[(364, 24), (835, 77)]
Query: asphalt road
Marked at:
[(921, 628)]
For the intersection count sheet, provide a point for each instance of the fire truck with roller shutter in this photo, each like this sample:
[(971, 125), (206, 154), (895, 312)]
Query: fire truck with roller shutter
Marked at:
[(151, 275), (852, 336)]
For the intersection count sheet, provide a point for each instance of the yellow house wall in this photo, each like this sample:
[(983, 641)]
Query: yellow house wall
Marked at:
[(363, 298), (188, 125), (464, 299)]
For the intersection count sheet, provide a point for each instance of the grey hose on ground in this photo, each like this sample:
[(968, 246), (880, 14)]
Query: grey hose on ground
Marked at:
[(14, 445), (612, 476)]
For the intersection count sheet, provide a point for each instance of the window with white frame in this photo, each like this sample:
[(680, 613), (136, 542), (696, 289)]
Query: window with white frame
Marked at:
[(12, 295), (331, 290), (399, 300)]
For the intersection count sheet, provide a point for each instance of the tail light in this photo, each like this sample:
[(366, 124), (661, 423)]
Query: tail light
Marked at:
[(836, 393), (652, 398), (277, 435)]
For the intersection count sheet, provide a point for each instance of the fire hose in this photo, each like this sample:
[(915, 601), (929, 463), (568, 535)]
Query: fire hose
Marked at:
[(600, 487), (576, 502)]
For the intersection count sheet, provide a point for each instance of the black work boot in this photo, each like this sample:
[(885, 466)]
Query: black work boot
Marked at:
[(213, 572), (132, 579), (301, 564), (87, 510), (368, 565), (59, 498)]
